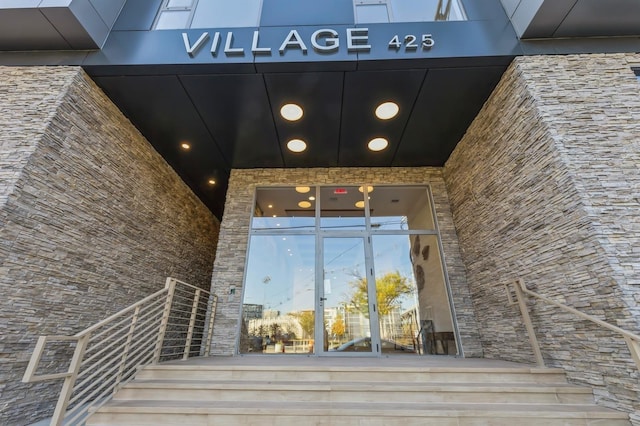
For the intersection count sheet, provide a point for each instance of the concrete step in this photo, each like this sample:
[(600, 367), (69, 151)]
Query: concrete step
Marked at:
[(399, 391), (296, 391), (141, 413), (354, 374)]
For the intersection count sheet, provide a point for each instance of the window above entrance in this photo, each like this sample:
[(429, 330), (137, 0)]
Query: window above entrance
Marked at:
[(341, 208)]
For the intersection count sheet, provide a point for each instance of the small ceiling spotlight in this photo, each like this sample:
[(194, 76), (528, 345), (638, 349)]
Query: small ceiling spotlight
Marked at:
[(304, 204), (185, 146), (387, 110), (291, 112), (378, 144), (312, 198), (296, 145), (212, 181)]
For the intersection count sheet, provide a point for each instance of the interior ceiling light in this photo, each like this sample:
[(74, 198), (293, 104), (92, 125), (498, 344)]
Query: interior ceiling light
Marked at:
[(369, 189), (296, 145), (304, 204), (360, 204), (185, 146), (291, 112), (387, 110), (378, 144), (312, 198), (303, 189), (212, 182)]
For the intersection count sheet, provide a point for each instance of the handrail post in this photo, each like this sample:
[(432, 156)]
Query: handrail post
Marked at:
[(69, 381), (35, 359), (212, 316), (192, 323), (125, 351), (171, 287), (634, 348), (524, 311)]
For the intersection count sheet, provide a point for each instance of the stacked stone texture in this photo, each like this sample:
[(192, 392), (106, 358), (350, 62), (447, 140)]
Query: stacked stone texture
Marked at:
[(545, 186), (91, 220), (234, 231)]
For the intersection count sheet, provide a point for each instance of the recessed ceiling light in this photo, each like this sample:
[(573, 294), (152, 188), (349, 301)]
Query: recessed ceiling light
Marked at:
[(296, 145), (270, 206), (387, 110), (378, 144), (304, 204), (212, 182), (312, 198), (369, 188), (275, 215), (185, 146), (303, 189), (291, 112), (360, 204)]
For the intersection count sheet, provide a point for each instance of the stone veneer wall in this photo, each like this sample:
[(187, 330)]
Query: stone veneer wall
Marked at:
[(234, 231), (91, 220), (545, 186)]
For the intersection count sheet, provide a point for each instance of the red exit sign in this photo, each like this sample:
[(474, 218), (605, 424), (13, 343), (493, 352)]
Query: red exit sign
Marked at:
[(339, 191)]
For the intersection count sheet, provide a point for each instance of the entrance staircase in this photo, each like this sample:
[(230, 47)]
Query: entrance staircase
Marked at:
[(401, 390)]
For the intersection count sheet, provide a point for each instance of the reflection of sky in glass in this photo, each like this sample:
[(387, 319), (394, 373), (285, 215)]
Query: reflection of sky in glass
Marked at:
[(281, 273), (391, 254), (343, 264), (342, 223), (283, 223), (389, 223)]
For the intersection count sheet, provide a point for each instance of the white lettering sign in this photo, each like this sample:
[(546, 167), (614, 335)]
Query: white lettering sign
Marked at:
[(323, 41)]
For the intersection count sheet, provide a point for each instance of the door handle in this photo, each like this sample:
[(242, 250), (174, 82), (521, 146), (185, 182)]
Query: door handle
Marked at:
[(322, 299)]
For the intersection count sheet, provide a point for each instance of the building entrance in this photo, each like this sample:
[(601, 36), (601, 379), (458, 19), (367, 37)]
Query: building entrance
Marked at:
[(346, 271)]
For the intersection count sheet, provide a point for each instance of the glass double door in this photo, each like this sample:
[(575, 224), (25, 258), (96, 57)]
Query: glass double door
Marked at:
[(368, 298)]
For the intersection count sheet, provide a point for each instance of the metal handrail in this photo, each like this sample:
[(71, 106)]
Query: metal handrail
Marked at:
[(108, 353), (632, 340)]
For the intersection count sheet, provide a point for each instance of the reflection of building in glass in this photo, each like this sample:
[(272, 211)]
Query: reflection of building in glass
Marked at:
[(275, 327), (270, 314), (391, 325), (252, 311)]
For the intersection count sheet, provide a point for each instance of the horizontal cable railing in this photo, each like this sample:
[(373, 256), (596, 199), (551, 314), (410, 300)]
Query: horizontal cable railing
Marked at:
[(173, 323), (519, 289)]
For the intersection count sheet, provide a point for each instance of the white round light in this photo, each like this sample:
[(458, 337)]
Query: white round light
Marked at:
[(303, 189), (304, 204), (360, 204), (387, 110), (291, 112), (212, 181), (378, 144), (296, 145)]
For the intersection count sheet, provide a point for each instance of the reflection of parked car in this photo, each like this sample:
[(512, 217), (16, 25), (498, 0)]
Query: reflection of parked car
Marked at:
[(364, 345)]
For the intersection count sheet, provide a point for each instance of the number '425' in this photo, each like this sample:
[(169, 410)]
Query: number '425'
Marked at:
[(410, 42)]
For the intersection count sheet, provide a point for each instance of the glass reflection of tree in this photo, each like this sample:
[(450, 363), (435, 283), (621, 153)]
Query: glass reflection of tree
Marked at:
[(306, 319), (338, 328), (389, 289)]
